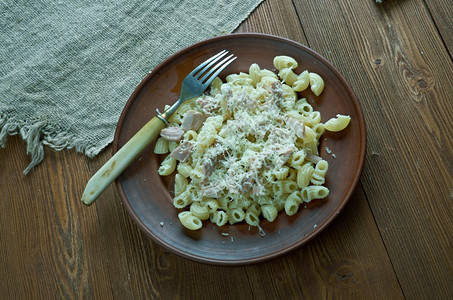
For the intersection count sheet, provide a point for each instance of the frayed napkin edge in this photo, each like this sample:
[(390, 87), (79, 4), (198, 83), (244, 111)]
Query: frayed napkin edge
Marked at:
[(38, 133)]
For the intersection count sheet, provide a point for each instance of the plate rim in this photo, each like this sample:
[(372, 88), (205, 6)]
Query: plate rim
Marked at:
[(285, 250)]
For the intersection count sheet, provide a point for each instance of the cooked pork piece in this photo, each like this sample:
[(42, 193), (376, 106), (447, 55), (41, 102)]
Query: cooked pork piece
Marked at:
[(172, 133), (193, 120), (183, 151)]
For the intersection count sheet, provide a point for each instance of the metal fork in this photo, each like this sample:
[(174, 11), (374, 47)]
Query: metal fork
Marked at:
[(192, 86)]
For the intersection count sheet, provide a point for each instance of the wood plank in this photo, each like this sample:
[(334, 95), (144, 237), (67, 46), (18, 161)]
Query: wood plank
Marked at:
[(41, 234), (396, 62), (276, 17), (441, 12)]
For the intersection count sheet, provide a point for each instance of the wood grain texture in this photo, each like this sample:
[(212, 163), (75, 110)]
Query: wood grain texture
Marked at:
[(400, 69), (392, 241), (277, 17), (440, 11)]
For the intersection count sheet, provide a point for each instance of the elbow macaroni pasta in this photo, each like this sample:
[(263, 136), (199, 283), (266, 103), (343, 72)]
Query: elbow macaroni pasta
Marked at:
[(337, 124), (302, 82), (199, 210), (168, 166), (284, 62), (189, 221), (256, 153), (316, 84), (180, 184), (161, 146)]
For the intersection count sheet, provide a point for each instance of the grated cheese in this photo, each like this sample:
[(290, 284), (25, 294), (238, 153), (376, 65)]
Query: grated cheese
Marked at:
[(255, 138)]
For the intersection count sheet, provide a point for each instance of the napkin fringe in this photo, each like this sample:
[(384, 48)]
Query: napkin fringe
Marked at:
[(38, 133)]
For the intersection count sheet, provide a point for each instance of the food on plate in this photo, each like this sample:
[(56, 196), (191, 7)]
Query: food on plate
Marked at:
[(248, 148)]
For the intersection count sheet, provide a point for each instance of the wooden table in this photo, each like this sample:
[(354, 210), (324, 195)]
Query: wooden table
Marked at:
[(394, 240)]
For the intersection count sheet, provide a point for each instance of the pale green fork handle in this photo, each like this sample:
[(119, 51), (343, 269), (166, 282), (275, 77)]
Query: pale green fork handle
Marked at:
[(122, 158)]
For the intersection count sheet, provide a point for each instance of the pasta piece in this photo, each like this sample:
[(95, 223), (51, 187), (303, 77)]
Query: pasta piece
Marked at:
[(292, 203), (289, 186), (194, 192), (235, 216), (161, 146), (182, 200), (277, 188), (175, 118), (292, 174), (319, 173), (284, 62), (185, 107), (312, 192), (319, 130), (216, 84), (295, 196), (267, 82), (287, 76), (304, 175), (297, 159), (254, 208), (180, 184), (184, 169), (302, 82), (199, 210), (280, 202), (223, 204), (316, 84), (239, 201), (264, 200), (310, 141), (172, 145), (317, 179), (189, 221), (281, 173), (212, 204), (337, 124), (269, 212), (241, 79), (304, 107), (307, 119), (167, 166), (190, 135), (314, 118), (206, 136), (252, 218), (255, 74), (321, 167), (219, 218), (197, 174), (267, 73)]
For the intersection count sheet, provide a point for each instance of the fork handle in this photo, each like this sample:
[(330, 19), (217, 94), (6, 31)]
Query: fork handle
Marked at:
[(122, 158)]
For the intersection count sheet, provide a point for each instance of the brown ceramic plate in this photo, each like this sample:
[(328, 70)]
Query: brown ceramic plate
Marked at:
[(148, 197)]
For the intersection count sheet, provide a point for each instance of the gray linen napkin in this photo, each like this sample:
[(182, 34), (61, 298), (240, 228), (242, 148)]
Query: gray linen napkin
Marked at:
[(67, 68)]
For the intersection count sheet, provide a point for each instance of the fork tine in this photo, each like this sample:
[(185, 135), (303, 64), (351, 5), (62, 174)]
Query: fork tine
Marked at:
[(217, 69), (208, 63)]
